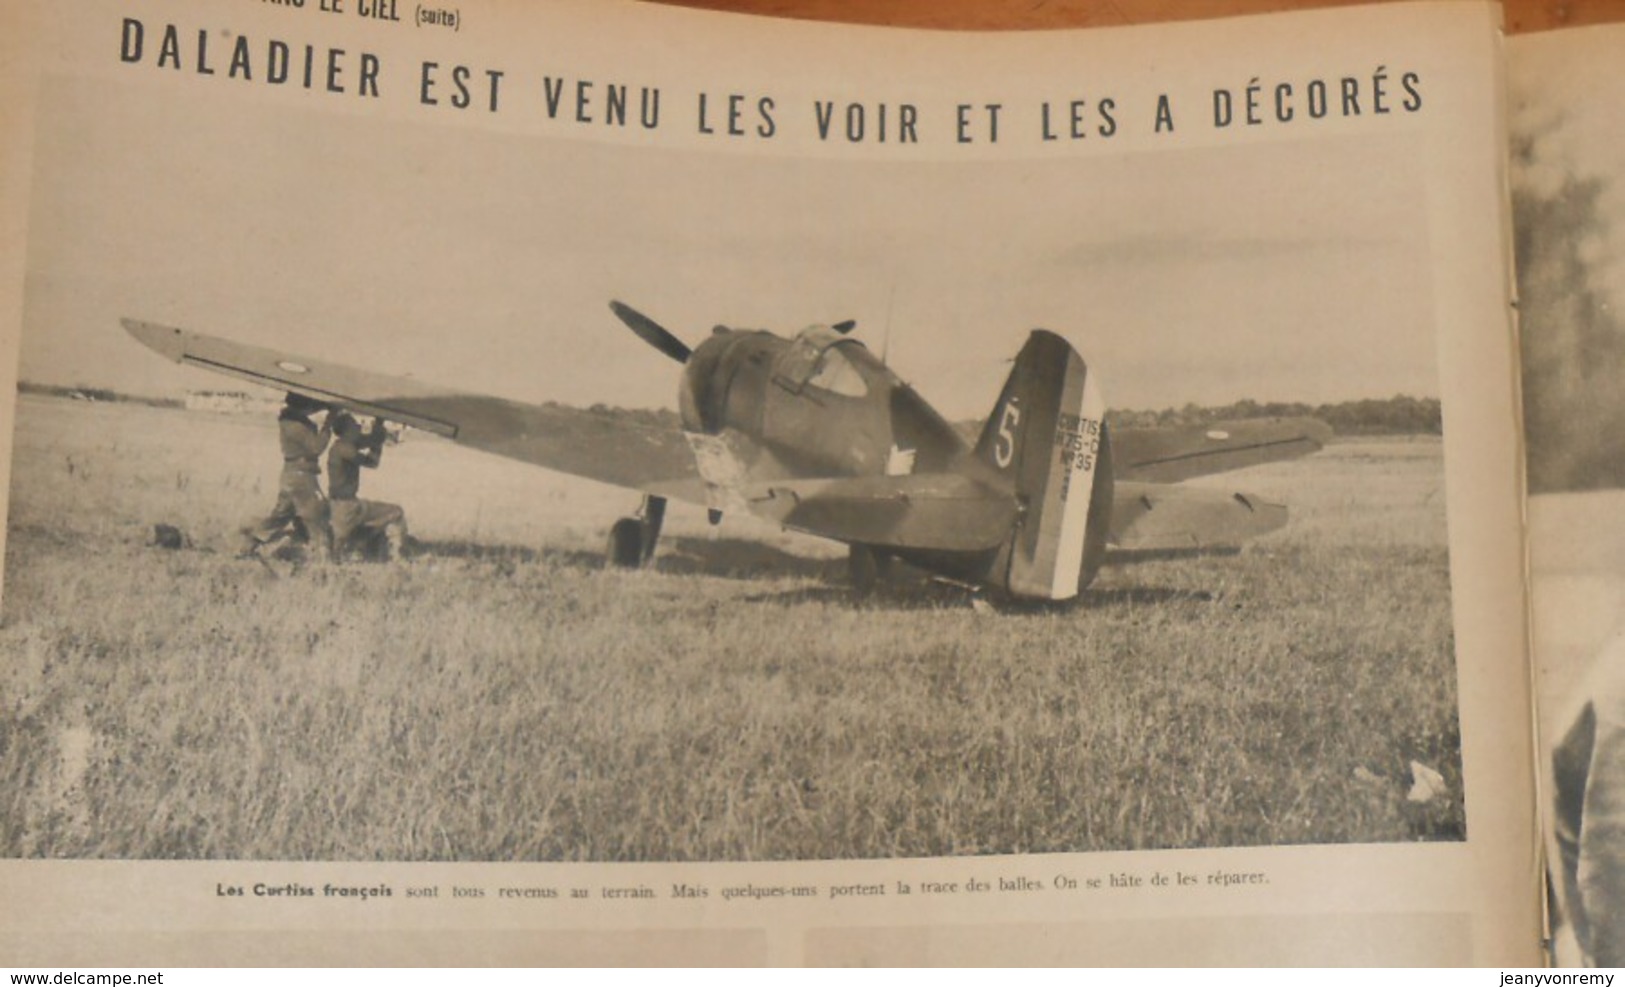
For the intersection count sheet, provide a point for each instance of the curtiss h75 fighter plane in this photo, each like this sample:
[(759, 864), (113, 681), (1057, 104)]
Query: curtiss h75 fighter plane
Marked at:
[(817, 434)]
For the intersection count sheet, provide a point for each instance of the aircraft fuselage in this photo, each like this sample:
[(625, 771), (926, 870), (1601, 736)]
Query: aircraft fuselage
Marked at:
[(817, 404)]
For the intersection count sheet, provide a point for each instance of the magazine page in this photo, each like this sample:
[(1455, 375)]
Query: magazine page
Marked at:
[(1568, 155), (618, 484)]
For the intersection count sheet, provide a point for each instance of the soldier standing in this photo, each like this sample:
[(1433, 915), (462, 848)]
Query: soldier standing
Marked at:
[(355, 519), (299, 493)]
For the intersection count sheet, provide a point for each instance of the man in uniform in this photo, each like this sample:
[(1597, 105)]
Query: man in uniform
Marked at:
[(1588, 781), (299, 494), (359, 522)]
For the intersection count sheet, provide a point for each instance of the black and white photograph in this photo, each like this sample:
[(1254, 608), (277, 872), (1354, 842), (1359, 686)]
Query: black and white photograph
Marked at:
[(382, 496)]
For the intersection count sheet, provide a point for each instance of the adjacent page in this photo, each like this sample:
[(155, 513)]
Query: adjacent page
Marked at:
[(1119, 556), (1568, 156)]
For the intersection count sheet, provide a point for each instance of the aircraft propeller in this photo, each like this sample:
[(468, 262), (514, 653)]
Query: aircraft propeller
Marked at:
[(651, 332)]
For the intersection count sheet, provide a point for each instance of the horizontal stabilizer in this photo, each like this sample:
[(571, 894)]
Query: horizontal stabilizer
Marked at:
[(1168, 455), (1155, 517), (923, 510)]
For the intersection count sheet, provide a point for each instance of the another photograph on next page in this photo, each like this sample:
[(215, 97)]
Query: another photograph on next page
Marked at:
[(644, 504), (1568, 195)]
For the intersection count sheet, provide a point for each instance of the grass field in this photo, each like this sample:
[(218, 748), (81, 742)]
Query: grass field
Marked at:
[(503, 698)]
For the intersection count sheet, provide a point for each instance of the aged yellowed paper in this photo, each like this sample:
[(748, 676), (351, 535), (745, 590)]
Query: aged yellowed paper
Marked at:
[(1566, 162), (1287, 720)]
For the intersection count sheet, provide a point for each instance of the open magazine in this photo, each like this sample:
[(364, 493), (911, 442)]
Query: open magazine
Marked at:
[(1566, 159), (617, 484)]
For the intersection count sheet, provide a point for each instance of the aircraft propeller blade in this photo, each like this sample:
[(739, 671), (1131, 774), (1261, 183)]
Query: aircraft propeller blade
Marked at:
[(651, 332)]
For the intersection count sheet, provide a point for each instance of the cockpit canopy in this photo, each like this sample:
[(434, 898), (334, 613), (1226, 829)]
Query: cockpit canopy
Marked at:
[(821, 357)]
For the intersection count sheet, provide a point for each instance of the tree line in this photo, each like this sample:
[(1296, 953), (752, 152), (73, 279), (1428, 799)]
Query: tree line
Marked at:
[(1398, 415)]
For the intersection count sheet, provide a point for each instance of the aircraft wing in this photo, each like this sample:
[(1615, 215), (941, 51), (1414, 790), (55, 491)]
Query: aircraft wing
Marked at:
[(1158, 516), (1168, 455), (946, 511), (571, 440)]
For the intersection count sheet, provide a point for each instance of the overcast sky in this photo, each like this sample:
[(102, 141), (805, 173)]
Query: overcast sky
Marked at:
[(1294, 270)]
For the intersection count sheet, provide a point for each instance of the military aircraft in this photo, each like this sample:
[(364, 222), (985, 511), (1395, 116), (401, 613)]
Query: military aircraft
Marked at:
[(815, 433)]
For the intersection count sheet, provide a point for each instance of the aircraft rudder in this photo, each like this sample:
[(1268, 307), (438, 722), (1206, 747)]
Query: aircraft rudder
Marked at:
[(1033, 382)]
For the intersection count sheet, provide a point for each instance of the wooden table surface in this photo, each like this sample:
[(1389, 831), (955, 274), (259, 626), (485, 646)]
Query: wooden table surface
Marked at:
[(1521, 15)]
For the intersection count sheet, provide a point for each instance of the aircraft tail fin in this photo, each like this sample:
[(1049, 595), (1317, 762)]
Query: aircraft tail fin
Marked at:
[(1047, 433)]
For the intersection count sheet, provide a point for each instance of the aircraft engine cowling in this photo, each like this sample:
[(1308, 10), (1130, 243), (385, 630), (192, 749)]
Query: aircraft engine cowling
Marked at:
[(703, 392), (725, 381)]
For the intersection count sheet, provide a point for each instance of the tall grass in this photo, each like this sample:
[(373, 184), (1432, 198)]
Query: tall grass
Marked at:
[(502, 698)]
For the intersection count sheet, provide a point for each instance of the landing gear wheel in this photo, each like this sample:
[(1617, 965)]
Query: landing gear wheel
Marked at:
[(632, 540), (863, 569), (625, 549)]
